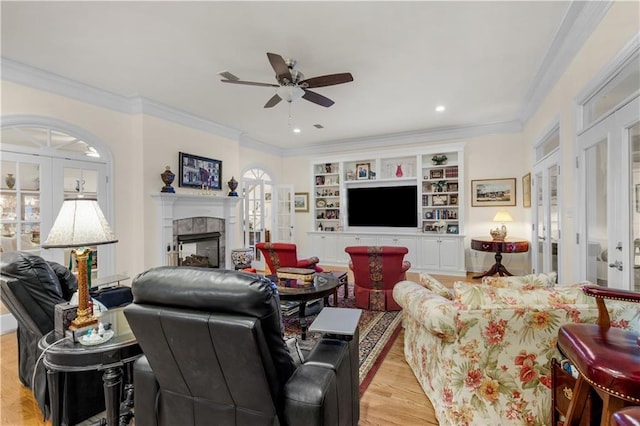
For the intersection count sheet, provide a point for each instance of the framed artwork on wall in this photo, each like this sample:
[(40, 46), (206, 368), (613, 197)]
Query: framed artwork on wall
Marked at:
[(301, 201), (493, 192), (526, 190), (200, 172)]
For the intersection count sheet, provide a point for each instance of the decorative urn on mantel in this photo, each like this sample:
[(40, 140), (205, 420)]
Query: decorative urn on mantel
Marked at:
[(233, 185), (167, 177)]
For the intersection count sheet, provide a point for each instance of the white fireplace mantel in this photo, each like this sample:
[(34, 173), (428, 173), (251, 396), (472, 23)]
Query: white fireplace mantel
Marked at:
[(181, 206)]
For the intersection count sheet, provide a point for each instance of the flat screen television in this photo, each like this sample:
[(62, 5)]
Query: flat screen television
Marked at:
[(383, 206)]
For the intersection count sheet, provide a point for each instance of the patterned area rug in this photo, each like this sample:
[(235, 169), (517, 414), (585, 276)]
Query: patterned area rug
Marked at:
[(378, 330)]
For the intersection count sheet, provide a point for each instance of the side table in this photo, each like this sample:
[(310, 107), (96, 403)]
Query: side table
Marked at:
[(508, 245), (64, 355)]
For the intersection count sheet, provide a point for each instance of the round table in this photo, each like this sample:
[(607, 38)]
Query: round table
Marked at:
[(65, 355), (508, 245), (324, 285)]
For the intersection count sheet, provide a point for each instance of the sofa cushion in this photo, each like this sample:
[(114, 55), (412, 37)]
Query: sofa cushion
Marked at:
[(435, 286), (526, 282), (479, 296)]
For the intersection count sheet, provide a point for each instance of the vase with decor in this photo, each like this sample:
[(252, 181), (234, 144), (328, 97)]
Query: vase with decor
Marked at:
[(439, 159), (233, 185), (167, 177), (10, 180), (399, 172), (242, 257)]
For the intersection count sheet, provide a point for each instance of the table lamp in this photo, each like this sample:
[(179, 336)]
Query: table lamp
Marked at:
[(80, 224), (500, 233)]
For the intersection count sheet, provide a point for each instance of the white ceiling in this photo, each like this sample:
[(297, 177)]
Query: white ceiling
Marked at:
[(482, 60)]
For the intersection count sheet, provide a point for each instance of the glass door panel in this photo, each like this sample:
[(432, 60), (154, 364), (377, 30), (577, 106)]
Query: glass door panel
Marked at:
[(284, 221), (554, 216), (20, 216), (596, 220), (540, 228), (253, 217), (634, 137)]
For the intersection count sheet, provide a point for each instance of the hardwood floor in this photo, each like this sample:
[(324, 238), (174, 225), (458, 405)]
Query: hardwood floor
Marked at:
[(394, 396)]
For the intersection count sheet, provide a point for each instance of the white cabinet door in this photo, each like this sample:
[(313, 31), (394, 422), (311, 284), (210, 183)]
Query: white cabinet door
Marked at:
[(325, 247), (440, 253), (449, 253), (429, 253), (402, 241)]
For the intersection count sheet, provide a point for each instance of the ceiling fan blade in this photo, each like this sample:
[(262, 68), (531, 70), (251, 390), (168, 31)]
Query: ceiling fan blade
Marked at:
[(317, 98), (280, 67), (273, 101), (327, 80), (228, 75), (250, 83)]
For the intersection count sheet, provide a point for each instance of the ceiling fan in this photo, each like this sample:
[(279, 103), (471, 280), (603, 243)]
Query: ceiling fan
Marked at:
[(291, 82)]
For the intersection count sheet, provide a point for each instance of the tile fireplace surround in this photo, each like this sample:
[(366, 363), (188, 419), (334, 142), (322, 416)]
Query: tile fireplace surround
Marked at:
[(182, 206)]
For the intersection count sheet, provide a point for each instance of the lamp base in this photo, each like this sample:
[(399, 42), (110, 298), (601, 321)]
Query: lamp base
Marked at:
[(499, 234), (83, 320)]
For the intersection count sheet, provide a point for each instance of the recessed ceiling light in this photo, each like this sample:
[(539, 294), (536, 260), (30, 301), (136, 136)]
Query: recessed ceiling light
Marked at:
[(440, 108), (296, 130)]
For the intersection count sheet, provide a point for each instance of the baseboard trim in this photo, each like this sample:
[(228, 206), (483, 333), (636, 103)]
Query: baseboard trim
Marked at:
[(8, 323)]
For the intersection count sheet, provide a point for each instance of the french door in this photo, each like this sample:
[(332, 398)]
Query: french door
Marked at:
[(609, 172), (254, 217), (546, 215), (284, 213)]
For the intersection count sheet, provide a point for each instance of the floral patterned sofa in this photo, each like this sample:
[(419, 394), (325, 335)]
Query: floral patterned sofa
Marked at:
[(482, 352)]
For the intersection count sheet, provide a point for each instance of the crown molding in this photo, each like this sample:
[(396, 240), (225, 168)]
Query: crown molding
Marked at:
[(54, 83), (408, 138), (577, 25)]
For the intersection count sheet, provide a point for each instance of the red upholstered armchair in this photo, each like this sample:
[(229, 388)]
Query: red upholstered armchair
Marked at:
[(375, 271), (607, 359), (284, 255)]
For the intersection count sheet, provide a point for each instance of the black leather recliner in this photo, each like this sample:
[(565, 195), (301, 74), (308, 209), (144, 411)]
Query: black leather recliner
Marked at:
[(31, 287), (214, 353)]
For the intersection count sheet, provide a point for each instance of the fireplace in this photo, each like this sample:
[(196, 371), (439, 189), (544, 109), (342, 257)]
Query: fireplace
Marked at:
[(195, 219), (199, 241)]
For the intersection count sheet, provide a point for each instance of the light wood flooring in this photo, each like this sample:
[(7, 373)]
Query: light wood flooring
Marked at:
[(393, 397)]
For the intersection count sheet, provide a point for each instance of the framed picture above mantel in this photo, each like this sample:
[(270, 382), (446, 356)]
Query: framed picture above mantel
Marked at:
[(200, 172)]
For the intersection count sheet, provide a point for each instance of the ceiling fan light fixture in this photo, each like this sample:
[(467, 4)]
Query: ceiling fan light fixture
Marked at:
[(290, 93)]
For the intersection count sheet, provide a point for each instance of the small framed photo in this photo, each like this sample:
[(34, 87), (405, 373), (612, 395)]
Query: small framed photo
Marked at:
[(493, 192), (453, 200), (440, 200), (427, 227), (199, 172), (319, 180), (452, 187), (436, 174), (526, 190), (301, 201), (428, 215), (362, 170), (452, 229)]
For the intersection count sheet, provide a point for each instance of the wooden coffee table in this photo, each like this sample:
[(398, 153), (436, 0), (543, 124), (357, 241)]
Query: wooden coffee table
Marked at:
[(324, 285)]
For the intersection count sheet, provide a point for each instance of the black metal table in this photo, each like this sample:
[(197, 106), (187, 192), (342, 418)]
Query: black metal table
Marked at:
[(324, 285), (67, 356)]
